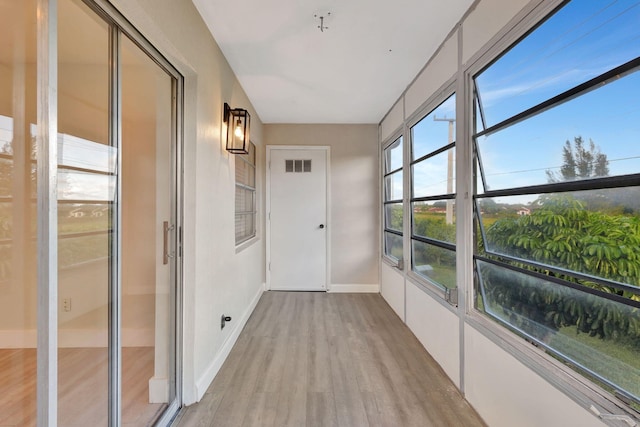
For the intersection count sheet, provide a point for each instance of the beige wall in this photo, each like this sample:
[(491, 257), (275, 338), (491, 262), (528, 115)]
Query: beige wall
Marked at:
[(354, 197)]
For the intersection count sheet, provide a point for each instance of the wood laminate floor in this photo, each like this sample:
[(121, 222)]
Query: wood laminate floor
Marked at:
[(82, 387), (318, 359)]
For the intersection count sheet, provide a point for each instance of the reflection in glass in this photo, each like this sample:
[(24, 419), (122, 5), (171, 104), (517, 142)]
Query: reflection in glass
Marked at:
[(393, 156), (18, 265), (147, 328), (393, 245), (435, 175), (582, 40), (431, 219), (585, 330), (430, 133), (393, 216), (85, 170), (393, 186), (435, 263), (532, 152)]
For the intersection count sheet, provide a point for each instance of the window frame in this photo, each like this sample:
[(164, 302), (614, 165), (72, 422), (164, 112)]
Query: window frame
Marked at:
[(432, 105), (247, 239), (388, 145), (572, 383)]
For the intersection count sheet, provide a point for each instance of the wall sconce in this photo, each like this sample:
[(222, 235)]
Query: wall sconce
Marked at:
[(237, 120)]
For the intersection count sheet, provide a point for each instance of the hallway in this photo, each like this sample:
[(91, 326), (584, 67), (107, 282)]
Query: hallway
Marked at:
[(322, 359)]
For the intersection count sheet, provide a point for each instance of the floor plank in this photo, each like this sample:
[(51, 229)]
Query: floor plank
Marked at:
[(319, 359)]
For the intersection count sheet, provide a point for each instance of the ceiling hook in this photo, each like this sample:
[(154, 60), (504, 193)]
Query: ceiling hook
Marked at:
[(322, 26)]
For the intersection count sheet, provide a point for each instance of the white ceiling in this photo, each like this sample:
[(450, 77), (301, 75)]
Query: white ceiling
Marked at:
[(352, 72)]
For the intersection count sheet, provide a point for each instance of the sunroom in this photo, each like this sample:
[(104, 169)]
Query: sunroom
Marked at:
[(470, 168)]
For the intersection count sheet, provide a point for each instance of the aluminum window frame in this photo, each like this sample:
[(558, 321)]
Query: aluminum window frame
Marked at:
[(575, 385), (443, 96), (246, 237), (388, 145)]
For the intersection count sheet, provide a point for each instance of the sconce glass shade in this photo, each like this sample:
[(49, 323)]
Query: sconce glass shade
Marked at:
[(238, 121)]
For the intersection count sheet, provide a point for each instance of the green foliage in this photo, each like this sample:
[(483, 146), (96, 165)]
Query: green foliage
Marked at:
[(561, 232)]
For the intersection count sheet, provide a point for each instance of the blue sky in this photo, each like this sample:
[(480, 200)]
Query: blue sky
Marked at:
[(583, 40)]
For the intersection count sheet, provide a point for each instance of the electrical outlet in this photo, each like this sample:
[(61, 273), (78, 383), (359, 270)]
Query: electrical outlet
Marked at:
[(224, 320), (66, 304)]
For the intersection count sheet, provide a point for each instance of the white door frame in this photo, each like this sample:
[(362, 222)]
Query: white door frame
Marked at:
[(327, 151)]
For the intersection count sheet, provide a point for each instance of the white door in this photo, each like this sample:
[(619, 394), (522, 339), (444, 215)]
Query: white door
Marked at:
[(297, 218)]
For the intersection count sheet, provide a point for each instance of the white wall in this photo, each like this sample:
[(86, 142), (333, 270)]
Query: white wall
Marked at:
[(354, 198), (499, 386), (216, 280)]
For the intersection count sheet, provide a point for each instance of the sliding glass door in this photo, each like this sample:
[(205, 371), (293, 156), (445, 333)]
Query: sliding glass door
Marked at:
[(116, 214)]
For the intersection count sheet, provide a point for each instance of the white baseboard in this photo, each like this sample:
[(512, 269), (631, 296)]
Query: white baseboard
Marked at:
[(210, 373), (365, 288)]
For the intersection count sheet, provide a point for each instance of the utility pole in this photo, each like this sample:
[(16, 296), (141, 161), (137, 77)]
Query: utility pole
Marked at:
[(449, 214)]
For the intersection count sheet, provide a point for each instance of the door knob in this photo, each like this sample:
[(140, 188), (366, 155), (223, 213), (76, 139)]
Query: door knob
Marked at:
[(321, 226)]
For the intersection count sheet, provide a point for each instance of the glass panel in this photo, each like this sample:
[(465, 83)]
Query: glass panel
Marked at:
[(393, 216), (593, 232), (434, 263), (570, 142), (582, 40), (84, 250), (18, 266), (244, 200), (432, 132), (393, 186), (74, 185), (585, 330), (393, 245), (148, 369), (435, 175), (245, 227), (435, 219), (393, 156)]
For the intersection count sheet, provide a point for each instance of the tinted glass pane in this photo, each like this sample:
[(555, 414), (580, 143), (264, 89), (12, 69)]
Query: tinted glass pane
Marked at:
[(393, 156), (393, 216), (435, 175), (570, 142), (435, 220), (594, 232), (18, 261), (435, 263), (84, 249), (393, 245), (147, 326), (581, 41), (435, 130), (586, 330), (393, 186)]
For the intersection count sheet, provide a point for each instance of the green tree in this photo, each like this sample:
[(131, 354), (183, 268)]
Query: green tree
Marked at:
[(562, 232), (580, 161)]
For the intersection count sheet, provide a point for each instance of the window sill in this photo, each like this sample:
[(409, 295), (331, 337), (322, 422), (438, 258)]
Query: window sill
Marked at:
[(571, 383), (247, 243)]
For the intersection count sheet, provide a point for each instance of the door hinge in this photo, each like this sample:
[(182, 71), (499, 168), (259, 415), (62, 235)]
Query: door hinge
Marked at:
[(269, 266)]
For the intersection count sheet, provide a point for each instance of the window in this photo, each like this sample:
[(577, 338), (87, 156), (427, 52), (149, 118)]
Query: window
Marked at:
[(433, 227), (557, 201), (246, 210), (392, 199)]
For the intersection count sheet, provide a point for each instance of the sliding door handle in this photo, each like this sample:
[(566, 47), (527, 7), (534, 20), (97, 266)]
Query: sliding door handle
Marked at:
[(166, 228)]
